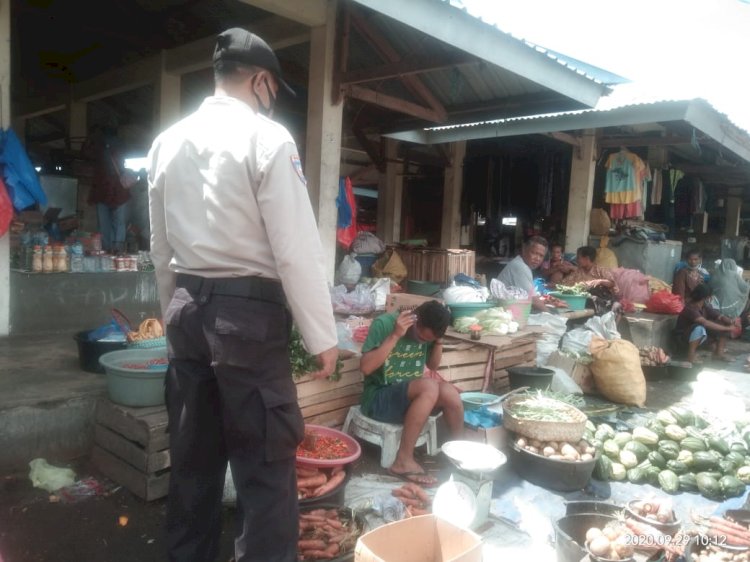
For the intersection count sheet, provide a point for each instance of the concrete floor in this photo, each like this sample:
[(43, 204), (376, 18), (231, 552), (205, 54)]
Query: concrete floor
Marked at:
[(46, 407), (46, 400)]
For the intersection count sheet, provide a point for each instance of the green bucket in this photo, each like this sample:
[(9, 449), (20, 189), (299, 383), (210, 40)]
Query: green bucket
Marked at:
[(575, 302), (423, 288), (461, 309), (129, 386)]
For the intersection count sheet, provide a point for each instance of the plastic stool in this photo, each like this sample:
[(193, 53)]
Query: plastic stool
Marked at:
[(388, 435)]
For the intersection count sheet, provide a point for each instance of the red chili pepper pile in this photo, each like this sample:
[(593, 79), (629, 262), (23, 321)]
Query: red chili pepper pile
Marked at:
[(150, 364), (326, 448)]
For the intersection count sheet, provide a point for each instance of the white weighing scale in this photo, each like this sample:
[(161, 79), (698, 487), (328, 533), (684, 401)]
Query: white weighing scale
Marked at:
[(465, 499)]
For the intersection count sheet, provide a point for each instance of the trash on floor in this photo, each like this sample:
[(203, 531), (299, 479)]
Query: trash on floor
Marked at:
[(50, 478)]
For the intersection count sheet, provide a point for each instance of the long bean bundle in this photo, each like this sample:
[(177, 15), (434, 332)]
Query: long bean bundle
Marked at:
[(541, 408)]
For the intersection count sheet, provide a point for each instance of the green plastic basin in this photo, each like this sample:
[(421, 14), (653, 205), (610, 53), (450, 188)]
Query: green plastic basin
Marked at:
[(135, 387), (461, 309), (575, 302), (423, 288)]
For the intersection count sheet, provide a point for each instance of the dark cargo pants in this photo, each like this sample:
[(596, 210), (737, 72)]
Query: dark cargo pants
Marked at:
[(230, 397)]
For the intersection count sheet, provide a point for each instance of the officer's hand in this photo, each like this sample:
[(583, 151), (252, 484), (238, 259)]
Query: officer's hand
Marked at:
[(327, 363), (404, 321)]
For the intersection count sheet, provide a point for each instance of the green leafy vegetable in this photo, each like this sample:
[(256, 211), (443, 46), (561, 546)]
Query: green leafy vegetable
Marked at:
[(304, 363), (577, 290)]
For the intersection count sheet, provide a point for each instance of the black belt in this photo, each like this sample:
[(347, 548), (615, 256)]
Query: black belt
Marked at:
[(254, 288)]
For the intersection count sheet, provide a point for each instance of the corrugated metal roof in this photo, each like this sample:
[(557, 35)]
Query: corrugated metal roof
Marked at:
[(592, 72), (696, 112), (506, 79)]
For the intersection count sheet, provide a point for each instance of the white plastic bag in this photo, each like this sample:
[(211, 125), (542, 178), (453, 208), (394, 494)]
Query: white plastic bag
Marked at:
[(345, 340), (367, 243), (500, 291), (380, 290), (604, 326), (554, 327), (51, 478), (577, 341), (349, 271), (456, 294), (562, 382)]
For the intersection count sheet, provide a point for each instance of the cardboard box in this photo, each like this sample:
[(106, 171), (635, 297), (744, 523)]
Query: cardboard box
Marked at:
[(580, 373), (495, 436), (438, 541), (405, 301)]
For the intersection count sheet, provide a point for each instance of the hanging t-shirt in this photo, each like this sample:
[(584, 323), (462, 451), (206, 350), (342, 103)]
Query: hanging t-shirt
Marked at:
[(405, 362)]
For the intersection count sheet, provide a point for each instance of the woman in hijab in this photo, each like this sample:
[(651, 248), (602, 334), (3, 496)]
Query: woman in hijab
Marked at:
[(731, 290)]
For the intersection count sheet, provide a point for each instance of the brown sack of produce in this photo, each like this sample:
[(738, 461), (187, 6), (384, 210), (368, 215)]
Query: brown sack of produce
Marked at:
[(390, 265), (617, 371)]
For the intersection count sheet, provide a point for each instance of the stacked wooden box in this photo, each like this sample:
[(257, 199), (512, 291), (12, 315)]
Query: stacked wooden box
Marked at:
[(131, 446), (464, 364), (325, 402), (437, 265)]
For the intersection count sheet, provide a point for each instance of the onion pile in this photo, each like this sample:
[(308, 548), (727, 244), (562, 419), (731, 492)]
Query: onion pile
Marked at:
[(558, 450), (613, 542)]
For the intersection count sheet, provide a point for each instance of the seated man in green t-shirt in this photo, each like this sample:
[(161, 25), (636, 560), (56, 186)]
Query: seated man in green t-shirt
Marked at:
[(394, 356)]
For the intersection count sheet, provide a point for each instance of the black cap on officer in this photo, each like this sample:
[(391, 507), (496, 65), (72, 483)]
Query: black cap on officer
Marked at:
[(241, 46)]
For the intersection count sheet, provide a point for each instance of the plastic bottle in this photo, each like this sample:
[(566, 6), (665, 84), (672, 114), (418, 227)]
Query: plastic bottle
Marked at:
[(48, 259), (76, 258), (37, 260), (96, 242), (61, 259)]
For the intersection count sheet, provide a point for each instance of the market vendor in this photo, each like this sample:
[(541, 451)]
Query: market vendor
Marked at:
[(699, 322), (590, 274), (518, 272), (731, 290), (689, 276), (398, 348), (557, 267), (597, 280)]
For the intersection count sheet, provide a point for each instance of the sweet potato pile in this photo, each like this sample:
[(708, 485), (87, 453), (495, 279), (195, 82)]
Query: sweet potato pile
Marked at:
[(315, 482), (325, 534), (413, 496)]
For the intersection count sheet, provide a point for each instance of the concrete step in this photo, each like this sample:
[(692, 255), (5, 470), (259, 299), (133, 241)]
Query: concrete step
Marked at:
[(46, 401)]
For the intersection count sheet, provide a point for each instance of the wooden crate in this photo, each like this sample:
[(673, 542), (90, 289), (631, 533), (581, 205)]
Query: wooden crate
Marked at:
[(325, 402), (131, 446), (464, 364), (437, 265)]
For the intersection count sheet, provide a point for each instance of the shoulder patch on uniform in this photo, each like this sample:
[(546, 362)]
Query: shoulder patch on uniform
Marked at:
[(297, 165)]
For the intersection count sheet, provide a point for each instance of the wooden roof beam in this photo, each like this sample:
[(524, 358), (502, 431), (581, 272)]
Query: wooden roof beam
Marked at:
[(610, 142), (565, 137), (311, 13), (416, 65), (393, 103), (390, 55)]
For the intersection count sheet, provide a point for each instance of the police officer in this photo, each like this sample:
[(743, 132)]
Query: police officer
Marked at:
[(236, 250)]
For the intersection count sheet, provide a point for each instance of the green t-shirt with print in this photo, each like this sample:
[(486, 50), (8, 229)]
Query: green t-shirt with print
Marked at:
[(405, 362)]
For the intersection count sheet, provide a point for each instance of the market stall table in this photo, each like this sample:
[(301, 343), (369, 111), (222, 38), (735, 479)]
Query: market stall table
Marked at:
[(494, 353)]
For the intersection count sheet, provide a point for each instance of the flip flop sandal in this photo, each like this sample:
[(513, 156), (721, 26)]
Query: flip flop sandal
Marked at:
[(416, 478)]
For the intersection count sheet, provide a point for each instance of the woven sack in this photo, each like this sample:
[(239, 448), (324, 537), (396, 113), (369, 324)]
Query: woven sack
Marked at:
[(390, 265), (617, 371), (600, 222)]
